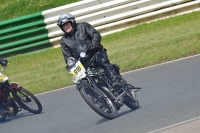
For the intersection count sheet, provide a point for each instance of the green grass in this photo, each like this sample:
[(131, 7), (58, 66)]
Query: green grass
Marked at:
[(10, 9), (157, 42), (141, 46)]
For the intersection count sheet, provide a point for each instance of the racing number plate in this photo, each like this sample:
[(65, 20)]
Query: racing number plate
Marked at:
[(77, 69), (2, 77)]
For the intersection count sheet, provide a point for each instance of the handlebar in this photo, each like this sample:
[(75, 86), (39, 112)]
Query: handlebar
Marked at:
[(91, 60), (88, 48)]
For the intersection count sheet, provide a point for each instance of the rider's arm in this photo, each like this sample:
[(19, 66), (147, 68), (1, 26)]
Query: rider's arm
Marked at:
[(65, 50), (93, 33)]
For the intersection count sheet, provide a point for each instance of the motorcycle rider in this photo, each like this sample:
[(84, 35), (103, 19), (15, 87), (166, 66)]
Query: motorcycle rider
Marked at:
[(4, 63), (77, 37), (3, 110)]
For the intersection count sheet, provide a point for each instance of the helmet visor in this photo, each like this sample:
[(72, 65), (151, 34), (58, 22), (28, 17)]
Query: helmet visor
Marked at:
[(63, 20)]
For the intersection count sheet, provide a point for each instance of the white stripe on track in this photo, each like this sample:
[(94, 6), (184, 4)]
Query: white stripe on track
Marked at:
[(175, 125)]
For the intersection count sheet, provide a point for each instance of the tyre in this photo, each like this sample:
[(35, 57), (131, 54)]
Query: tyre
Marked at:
[(27, 101), (131, 100), (99, 103)]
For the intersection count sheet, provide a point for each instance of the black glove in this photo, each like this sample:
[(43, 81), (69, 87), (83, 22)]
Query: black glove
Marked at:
[(96, 45), (4, 62)]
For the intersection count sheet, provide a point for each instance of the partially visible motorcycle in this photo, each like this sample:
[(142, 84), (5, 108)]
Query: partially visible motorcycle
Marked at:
[(96, 90), (14, 98)]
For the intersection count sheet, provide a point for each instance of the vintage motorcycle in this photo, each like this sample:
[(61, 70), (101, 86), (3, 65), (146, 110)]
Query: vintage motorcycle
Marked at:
[(96, 90), (14, 98)]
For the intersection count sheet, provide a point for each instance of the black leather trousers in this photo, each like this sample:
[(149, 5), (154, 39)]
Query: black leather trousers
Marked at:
[(103, 62)]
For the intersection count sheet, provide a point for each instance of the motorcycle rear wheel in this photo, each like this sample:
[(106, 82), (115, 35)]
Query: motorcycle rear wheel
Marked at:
[(28, 101), (99, 103), (131, 100)]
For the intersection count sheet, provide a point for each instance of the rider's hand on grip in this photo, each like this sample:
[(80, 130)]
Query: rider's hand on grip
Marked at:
[(70, 63), (94, 44)]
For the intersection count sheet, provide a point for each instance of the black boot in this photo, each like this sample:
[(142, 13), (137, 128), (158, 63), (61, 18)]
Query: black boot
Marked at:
[(117, 82), (112, 74), (115, 79)]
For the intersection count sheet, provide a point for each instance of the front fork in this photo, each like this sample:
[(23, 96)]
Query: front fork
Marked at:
[(14, 87)]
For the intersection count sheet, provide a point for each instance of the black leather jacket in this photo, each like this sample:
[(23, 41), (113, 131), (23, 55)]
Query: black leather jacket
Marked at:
[(79, 40)]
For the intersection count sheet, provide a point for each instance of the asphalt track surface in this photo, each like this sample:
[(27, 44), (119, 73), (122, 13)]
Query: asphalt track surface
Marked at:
[(169, 99)]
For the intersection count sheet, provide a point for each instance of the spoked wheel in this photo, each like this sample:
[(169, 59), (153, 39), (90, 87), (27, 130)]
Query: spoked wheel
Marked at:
[(100, 103), (131, 100), (28, 101)]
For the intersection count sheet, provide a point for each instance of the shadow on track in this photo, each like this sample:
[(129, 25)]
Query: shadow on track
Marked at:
[(120, 114), (21, 115)]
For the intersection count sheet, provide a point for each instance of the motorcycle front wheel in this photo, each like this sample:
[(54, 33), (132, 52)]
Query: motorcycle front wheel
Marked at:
[(27, 101), (100, 103)]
